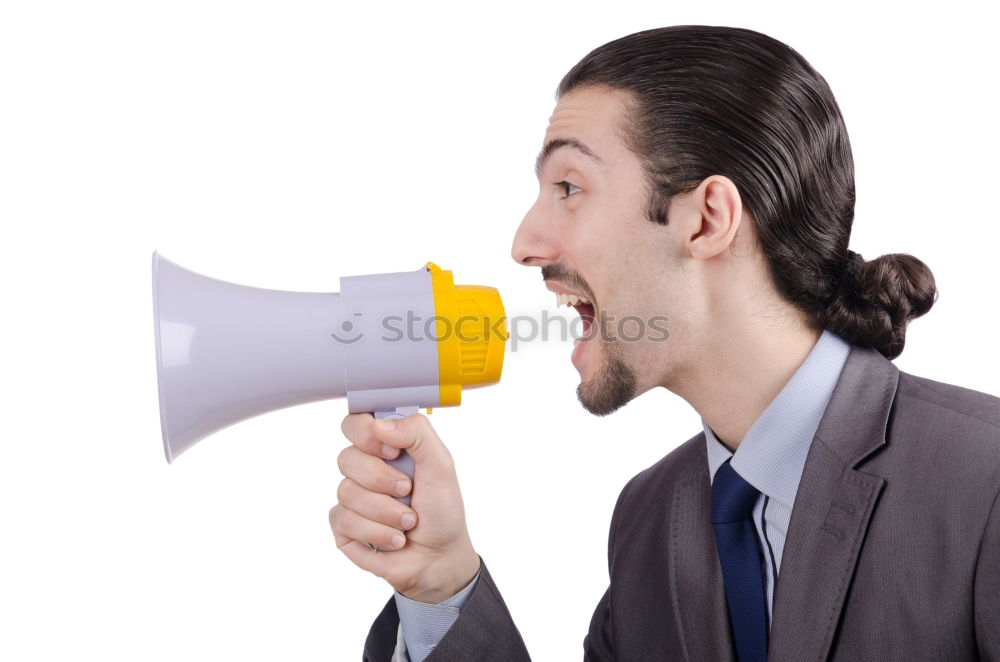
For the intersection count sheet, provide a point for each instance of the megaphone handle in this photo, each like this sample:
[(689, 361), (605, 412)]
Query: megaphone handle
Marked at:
[(403, 461)]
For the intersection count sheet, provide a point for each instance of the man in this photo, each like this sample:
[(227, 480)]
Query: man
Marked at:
[(832, 507)]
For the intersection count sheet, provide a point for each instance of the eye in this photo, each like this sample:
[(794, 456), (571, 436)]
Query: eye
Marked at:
[(568, 189)]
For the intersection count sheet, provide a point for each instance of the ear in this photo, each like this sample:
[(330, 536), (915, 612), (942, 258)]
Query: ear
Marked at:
[(717, 202)]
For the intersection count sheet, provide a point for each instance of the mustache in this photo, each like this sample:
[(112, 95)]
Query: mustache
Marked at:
[(571, 278)]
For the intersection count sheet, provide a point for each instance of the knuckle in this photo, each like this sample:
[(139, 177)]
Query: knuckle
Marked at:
[(343, 459), (346, 521), (342, 490), (352, 426), (345, 425)]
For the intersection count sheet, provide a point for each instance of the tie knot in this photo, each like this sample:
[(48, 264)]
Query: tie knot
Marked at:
[(733, 498)]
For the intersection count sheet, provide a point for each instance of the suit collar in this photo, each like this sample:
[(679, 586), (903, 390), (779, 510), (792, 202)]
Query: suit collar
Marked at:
[(856, 420), (772, 453)]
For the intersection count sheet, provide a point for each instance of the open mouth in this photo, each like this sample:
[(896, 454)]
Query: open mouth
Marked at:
[(583, 306), (583, 356)]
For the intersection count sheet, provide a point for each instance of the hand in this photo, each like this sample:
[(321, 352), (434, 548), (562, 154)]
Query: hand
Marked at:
[(433, 558)]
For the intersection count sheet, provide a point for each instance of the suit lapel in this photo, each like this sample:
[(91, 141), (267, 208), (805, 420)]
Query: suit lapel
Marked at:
[(829, 521), (697, 592), (832, 510)]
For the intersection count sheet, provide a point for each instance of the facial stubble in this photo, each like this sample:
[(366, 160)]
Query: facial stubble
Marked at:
[(612, 387)]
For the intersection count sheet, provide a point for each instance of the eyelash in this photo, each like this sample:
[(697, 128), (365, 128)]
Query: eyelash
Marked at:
[(565, 186)]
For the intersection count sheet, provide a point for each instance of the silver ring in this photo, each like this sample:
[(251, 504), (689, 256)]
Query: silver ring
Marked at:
[(373, 547)]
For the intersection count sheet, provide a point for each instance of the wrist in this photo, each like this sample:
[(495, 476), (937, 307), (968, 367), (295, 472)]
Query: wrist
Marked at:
[(445, 578)]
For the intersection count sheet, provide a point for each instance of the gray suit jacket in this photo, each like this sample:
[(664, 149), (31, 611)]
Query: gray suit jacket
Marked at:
[(892, 553)]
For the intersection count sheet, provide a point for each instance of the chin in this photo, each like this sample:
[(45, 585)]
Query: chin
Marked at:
[(610, 389)]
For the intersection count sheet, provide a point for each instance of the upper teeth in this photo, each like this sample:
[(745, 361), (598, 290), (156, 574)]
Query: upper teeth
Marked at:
[(570, 299)]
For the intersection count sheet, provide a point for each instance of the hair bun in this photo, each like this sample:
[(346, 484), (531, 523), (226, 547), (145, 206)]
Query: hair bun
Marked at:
[(855, 263), (875, 300), (849, 275)]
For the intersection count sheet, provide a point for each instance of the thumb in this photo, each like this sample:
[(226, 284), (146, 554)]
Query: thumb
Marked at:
[(416, 436)]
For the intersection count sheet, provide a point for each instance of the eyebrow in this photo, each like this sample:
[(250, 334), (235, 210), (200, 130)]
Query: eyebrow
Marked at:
[(559, 143)]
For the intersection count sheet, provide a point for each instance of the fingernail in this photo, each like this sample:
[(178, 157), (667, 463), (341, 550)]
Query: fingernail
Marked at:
[(408, 520), (389, 452), (403, 487), (398, 540), (385, 423)]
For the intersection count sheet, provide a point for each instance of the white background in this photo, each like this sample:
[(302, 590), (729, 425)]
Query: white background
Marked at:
[(283, 144)]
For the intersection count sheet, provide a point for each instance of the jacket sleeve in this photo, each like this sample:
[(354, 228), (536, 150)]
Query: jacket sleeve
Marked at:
[(597, 645), (484, 631), (381, 642)]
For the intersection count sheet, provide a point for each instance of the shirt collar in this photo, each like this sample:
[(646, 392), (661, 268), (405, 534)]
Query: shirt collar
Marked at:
[(773, 453)]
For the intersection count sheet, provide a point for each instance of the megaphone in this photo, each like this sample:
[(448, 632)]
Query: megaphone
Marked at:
[(390, 344)]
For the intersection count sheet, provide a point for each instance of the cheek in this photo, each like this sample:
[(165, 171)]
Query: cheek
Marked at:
[(639, 327), (619, 224), (617, 250), (601, 232)]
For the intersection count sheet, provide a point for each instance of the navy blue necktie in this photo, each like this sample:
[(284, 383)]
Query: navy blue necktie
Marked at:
[(733, 500)]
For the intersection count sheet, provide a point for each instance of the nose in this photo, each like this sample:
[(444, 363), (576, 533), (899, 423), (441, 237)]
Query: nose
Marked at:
[(533, 246)]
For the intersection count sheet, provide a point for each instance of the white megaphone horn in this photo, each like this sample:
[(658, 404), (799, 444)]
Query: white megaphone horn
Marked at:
[(389, 343)]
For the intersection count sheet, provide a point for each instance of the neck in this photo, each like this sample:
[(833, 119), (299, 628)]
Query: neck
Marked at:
[(736, 373)]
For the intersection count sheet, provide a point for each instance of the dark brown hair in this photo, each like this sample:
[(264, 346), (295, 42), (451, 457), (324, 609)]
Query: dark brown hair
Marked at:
[(729, 101)]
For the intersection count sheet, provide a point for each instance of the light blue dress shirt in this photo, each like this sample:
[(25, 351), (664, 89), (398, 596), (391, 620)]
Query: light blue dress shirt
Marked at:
[(770, 457), (772, 454)]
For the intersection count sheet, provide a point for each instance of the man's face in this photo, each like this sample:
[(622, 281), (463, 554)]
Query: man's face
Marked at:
[(589, 233)]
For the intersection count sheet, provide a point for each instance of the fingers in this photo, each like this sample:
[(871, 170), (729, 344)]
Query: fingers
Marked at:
[(365, 557), (415, 434), (384, 438), (372, 473), (379, 508), (359, 430), (368, 514), (349, 526)]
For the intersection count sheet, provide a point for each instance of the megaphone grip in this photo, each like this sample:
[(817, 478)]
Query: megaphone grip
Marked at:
[(403, 462)]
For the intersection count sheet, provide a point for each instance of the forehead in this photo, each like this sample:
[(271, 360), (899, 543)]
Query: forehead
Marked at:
[(593, 115)]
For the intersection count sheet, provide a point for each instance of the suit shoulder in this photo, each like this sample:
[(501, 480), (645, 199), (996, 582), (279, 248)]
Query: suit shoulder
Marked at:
[(968, 421), (642, 501), (975, 407), (685, 461)]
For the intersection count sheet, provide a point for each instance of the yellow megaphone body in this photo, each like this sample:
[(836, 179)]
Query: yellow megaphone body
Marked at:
[(388, 343)]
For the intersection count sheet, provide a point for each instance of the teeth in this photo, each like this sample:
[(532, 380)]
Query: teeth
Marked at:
[(570, 299)]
